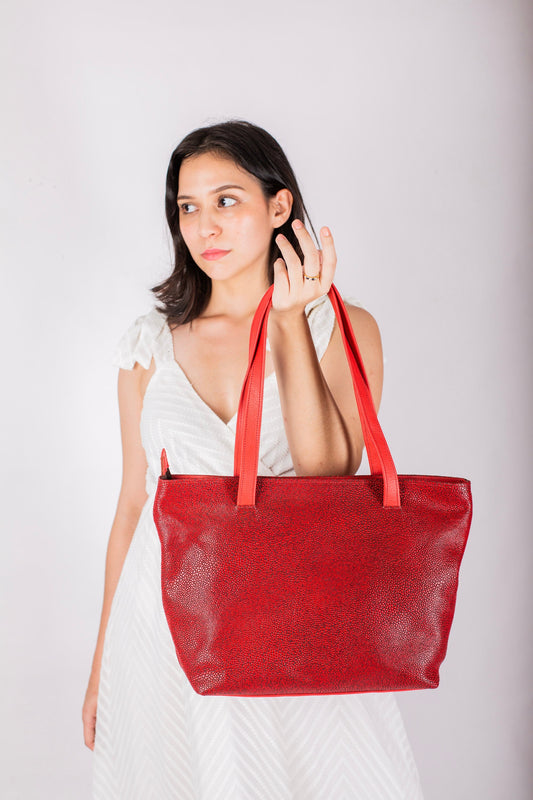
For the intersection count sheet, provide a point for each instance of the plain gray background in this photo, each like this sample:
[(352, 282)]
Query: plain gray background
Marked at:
[(409, 126)]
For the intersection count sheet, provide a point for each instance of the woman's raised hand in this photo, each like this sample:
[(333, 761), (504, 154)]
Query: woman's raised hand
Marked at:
[(292, 289)]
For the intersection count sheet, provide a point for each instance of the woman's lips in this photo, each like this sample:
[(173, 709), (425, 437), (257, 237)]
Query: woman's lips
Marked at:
[(211, 255)]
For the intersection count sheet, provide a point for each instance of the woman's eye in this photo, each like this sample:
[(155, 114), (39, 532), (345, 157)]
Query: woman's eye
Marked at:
[(183, 206)]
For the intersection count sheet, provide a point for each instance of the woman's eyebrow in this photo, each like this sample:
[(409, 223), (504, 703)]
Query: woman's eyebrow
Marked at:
[(213, 191)]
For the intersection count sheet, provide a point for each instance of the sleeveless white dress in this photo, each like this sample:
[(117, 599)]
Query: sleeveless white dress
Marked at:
[(156, 739)]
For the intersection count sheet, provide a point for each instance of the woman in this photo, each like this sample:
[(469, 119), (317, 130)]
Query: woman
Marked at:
[(236, 215)]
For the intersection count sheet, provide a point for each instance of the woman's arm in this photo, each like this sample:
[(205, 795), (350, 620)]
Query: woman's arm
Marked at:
[(317, 399), (129, 506)]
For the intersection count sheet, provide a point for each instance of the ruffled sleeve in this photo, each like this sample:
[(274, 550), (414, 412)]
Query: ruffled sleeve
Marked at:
[(140, 341), (353, 301)]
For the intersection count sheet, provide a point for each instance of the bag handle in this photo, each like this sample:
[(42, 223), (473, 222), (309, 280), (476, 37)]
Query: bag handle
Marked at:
[(249, 414)]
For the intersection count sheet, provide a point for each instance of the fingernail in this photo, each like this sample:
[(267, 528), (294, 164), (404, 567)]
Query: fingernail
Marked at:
[(326, 232), (297, 223)]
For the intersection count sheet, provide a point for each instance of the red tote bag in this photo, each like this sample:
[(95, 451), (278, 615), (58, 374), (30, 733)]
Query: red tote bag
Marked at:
[(309, 585)]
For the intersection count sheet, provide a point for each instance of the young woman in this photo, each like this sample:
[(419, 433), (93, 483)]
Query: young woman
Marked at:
[(236, 217)]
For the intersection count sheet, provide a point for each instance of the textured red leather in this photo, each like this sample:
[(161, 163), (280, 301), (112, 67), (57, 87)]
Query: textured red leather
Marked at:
[(309, 585)]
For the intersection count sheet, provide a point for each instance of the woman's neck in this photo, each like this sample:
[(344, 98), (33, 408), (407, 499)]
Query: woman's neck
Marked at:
[(237, 298)]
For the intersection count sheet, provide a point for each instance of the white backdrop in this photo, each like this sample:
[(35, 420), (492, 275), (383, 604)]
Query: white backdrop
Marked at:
[(410, 127)]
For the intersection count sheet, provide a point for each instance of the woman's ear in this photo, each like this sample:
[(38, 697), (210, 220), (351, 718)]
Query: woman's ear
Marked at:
[(280, 207)]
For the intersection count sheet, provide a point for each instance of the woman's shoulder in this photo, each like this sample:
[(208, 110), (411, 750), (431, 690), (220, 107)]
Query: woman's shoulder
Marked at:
[(358, 314), (140, 341), (364, 325), (321, 319)]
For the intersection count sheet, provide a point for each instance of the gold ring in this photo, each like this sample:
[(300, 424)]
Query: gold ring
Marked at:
[(311, 277)]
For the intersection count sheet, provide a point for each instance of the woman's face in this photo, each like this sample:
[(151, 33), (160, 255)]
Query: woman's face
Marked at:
[(237, 218)]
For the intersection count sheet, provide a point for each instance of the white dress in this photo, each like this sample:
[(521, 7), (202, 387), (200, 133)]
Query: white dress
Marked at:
[(156, 739)]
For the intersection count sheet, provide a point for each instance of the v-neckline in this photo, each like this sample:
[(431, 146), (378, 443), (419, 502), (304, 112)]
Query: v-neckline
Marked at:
[(181, 371)]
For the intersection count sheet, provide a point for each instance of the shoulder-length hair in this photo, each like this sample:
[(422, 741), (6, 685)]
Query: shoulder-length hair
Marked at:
[(186, 292)]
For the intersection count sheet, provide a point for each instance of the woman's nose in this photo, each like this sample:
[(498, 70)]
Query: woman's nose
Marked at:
[(207, 223)]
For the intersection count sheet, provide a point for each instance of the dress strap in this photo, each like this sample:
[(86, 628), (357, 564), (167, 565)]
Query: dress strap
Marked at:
[(142, 340)]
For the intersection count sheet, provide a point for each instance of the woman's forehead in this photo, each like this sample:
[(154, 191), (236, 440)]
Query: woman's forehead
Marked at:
[(209, 171)]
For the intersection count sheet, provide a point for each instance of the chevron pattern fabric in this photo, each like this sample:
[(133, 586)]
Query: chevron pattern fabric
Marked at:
[(156, 739)]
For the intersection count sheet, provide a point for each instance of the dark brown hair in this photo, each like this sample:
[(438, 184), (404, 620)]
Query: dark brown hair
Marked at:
[(186, 292)]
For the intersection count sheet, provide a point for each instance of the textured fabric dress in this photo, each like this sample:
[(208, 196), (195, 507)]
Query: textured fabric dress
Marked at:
[(156, 739)]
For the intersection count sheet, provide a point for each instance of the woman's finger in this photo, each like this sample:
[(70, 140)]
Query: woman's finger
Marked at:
[(292, 262), (311, 265), (329, 256)]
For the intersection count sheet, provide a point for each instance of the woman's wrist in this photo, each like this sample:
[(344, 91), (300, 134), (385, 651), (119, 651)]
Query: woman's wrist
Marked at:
[(285, 320)]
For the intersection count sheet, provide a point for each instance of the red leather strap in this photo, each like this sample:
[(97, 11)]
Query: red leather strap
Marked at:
[(249, 414), (248, 431)]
